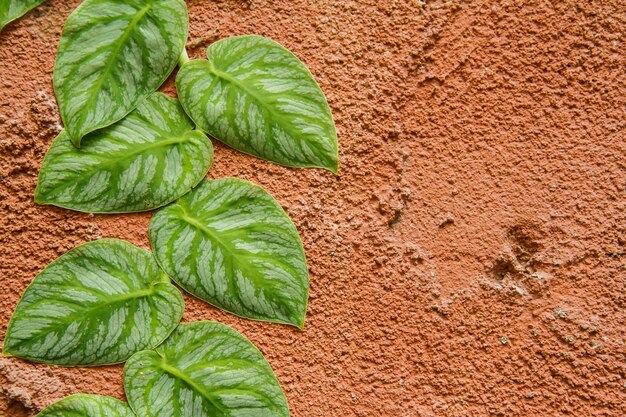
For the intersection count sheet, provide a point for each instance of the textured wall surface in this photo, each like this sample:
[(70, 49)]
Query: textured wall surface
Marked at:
[(469, 258)]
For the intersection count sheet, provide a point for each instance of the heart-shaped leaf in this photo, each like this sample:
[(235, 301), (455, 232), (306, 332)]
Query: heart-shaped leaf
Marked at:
[(146, 160), (14, 9), (230, 243), (112, 54), (87, 405), (257, 97), (203, 369), (97, 304)]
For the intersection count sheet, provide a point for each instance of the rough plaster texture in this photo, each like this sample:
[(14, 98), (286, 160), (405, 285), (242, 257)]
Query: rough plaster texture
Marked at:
[(469, 258)]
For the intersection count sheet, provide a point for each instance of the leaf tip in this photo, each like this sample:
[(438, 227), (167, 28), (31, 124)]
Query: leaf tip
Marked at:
[(38, 197), (5, 348), (298, 320), (332, 166), (75, 140), (42, 198)]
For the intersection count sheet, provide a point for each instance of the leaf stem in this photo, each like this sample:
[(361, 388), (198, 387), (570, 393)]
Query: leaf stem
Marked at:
[(184, 58)]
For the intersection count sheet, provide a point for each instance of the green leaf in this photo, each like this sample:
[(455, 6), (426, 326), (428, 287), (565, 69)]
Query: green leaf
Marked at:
[(112, 54), (14, 9), (97, 304), (146, 160), (257, 97), (203, 369), (230, 243), (87, 405)]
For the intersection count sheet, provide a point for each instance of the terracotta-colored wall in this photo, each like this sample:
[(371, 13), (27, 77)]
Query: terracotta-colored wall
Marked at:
[(468, 260)]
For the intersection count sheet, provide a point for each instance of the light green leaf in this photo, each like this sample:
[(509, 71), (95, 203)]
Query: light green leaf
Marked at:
[(112, 54), (203, 369), (97, 304), (14, 9), (230, 243), (87, 405), (146, 160), (257, 97)]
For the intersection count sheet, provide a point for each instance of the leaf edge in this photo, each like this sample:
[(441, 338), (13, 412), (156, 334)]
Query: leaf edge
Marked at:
[(13, 19), (82, 394)]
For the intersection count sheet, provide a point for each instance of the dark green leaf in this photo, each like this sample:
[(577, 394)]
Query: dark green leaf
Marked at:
[(146, 160), (203, 369), (257, 97), (14, 9), (230, 243), (112, 54), (87, 405), (97, 304)]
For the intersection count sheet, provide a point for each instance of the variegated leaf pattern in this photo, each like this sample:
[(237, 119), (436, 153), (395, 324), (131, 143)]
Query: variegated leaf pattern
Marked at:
[(112, 54), (203, 369), (14, 9), (87, 405), (97, 304), (146, 160), (257, 97), (230, 243)]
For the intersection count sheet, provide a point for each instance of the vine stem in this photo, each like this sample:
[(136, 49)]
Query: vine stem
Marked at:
[(184, 58)]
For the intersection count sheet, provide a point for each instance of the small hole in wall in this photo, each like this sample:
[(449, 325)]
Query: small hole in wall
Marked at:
[(18, 409)]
